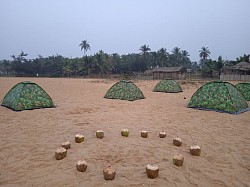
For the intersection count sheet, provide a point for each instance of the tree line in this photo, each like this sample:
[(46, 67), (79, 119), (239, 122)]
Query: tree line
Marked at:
[(103, 63)]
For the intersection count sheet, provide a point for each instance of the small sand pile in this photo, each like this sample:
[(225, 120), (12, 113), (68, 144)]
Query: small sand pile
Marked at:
[(125, 132), (66, 144), (177, 142), (144, 134), (99, 134), (81, 165), (109, 173), (152, 171), (162, 134), (79, 138), (60, 153), (195, 150), (178, 160)]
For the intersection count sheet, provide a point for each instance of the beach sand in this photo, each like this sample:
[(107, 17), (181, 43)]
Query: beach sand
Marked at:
[(29, 138)]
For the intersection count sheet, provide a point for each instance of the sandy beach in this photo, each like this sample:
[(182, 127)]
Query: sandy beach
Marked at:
[(29, 138)]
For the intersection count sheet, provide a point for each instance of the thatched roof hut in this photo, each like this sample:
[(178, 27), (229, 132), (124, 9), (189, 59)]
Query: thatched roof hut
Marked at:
[(237, 69), (169, 72), (238, 72)]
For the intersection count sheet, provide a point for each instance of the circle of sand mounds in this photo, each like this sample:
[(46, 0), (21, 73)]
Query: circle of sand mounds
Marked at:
[(60, 153), (144, 134), (66, 144), (81, 165), (162, 134), (195, 150), (178, 160), (109, 173), (125, 132), (124, 90), (152, 171), (99, 134), (79, 138), (177, 141)]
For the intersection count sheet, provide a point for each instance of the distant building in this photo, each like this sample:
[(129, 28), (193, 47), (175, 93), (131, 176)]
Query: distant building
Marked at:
[(238, 72), (169, 72)]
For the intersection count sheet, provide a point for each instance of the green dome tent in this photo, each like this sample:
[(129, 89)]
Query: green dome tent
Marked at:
[(27, 96), (244, 89), (124, 90), (219, 96), (168, 86)]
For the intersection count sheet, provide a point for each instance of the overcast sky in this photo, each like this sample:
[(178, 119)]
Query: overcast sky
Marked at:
[(50, 27)]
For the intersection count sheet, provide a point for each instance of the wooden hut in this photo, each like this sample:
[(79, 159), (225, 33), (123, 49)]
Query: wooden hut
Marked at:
[(238, 72), (169, 72)]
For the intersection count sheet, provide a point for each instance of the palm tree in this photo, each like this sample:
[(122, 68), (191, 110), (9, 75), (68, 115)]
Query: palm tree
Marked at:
[(244, 58), (185, 59), (177, 53), (184, 54), (176, 57), (84, 46), (66, 68), (219, 64), (114, 61), (163, 56), (100, 60), (204, 53), (144, 50)]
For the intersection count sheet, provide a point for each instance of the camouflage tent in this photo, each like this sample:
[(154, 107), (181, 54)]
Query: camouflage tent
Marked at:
[(244, 89), (124, 90), (27, 96), (219, 96), (168, 86)]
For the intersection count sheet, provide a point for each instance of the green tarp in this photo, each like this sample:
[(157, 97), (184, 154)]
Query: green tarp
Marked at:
[(168, 86), (124, 90), (27, 96), (219, 96), (244, 89)]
